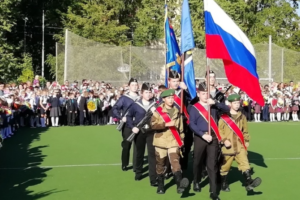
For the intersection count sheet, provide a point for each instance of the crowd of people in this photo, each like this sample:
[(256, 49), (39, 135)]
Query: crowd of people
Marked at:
[(99, 103), (90, 103)]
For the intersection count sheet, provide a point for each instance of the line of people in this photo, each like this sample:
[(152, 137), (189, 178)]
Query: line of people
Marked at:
[(169, 136)]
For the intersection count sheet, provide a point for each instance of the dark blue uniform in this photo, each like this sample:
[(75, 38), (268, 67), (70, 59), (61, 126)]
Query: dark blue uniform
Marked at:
[(122, 106), (202, 149), (119, 110), (136, 113)]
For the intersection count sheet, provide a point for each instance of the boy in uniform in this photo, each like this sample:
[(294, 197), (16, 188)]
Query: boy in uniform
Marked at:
[(167, 123), (235, 136)]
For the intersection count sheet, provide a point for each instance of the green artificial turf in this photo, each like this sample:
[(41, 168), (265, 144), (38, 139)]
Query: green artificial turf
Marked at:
[(79, 163)]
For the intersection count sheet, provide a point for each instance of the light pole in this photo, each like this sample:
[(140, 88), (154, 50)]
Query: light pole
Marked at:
[(25, 21)]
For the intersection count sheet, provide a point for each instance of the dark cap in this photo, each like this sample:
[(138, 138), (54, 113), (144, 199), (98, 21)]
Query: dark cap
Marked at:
[(132, 80), (202, 87), (146, 86), (174, 74), (210, 72)]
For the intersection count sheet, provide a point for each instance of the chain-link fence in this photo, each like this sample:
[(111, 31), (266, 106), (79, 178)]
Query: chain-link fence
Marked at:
[(60, 62), (83, 58)]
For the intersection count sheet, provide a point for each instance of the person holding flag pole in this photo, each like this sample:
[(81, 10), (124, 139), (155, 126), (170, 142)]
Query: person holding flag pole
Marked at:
[(175, 80), (226, 41), (206, 142)]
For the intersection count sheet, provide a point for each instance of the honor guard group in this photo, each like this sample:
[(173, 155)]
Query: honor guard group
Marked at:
[(169, 135)]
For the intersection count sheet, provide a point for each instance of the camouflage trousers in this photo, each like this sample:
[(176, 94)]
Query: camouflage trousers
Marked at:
[(173, 154)]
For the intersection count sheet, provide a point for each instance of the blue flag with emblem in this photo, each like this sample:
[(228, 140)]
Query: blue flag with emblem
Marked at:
[(173, 59), (187, 44)]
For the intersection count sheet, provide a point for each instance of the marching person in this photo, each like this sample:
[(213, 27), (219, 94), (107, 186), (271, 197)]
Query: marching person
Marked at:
[(206, 146), (235, 136), (168, 139), (135, 115), (174, 83), (120, 110)]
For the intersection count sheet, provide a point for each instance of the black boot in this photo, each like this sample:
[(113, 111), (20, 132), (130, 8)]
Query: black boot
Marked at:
[(251, 183), (161, 184), (197, 187), (182, 183), (124, 168), (154, 183), (138, 176), (224, 184), (214, 196)]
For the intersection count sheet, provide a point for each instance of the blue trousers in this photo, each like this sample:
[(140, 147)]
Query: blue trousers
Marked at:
[(266, 113)]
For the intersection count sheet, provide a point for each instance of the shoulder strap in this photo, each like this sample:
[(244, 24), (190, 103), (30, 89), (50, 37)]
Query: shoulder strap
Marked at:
[(173, 129), (204, 113), (233, 126)]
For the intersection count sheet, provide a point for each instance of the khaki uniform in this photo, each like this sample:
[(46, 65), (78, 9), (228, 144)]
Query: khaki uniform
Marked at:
[(164, 141), (236, 151)]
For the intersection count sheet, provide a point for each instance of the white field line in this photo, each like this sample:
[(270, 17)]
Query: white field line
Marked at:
[(116, 164)]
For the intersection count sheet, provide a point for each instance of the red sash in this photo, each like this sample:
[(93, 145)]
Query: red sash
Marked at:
[(173, 129), (178, 102), (232, 125), (204, 114)]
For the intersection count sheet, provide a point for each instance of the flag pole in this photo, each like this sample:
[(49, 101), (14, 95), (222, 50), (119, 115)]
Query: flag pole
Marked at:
[(208, 92), (182, 80), (166, 17)]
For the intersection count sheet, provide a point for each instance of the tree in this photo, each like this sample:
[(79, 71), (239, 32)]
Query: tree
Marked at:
[(149, 24), (27, 69), (98, 21), (8, 61)]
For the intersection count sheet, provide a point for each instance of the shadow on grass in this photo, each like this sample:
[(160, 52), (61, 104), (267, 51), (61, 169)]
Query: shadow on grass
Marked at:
[(236, 175), (19, 166)]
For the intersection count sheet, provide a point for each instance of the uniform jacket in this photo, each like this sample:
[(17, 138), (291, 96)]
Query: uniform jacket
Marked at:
[(163, 137), (198, 124), (227, 134), (136, 113), (122, 106)]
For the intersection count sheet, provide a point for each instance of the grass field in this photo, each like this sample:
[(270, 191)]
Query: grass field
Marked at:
[(84, 163)]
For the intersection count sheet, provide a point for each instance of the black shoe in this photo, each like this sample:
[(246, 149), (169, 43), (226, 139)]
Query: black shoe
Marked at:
[(251, 183), (214, 196), (154, 183), (124, 168), (161, 184), (224, 184), (197, 187), (138, 177), (182, 183)]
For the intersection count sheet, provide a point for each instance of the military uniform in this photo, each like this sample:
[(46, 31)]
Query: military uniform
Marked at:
[(237, 151), (188, 139), (166, 146), (135, 115), (120, 110)]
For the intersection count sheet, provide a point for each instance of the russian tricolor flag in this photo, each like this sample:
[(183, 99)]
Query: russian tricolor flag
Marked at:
[(225, 40)]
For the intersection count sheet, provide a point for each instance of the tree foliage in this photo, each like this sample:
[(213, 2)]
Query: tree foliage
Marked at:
[(8, 60), (97, 20), (27, 73)]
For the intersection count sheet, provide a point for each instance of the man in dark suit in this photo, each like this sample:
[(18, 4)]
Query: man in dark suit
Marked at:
[(71, 109)]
